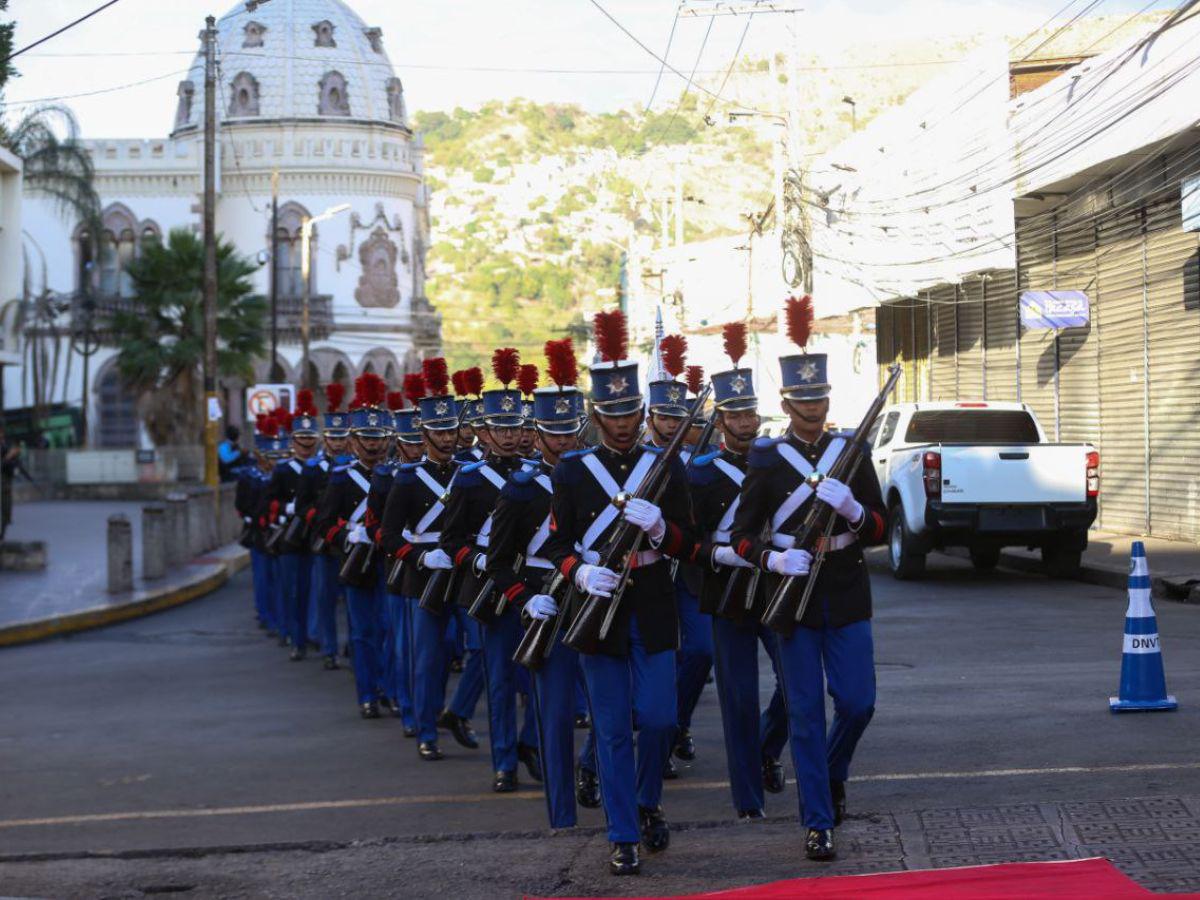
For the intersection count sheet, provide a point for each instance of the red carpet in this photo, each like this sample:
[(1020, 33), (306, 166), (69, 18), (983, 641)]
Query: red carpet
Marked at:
[(1084, 879)]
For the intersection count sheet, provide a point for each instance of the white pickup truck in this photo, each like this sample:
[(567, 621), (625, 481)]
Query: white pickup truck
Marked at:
[(981, 475)]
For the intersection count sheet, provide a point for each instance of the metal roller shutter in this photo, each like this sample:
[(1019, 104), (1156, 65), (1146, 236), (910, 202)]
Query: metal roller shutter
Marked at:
[(1000, 335), (885, 339), (902, 312), (921, 348), (1035, 272), (1119, 317), (944, 361), (1078, 356), (970, 339), (1174, 330)]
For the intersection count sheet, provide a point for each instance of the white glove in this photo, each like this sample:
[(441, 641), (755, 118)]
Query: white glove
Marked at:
[(541, 606), (726, 556), (646, 516), (839, 497), (436, 559), (596, 580), (789, 562), (358, 535), (480, 563), (290, 509), (246, 519)]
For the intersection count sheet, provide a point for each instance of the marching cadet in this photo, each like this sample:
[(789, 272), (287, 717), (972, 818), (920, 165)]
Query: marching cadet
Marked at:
[(518, 567), (527, 381), (730, 594), (313, 481), (412, 521), (381, 484), (294, 563), (668, 409), (341, 518), (632, 676), (465, 537), (832, 643), (250, 500)]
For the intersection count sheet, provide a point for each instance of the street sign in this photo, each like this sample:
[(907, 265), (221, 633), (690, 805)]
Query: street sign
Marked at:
[(1054, 309), (266, 398)]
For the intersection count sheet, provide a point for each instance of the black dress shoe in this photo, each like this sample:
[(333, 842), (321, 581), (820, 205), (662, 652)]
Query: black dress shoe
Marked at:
[(504, 782), (331, 663), (369, 710), (456, 664), (387, 703), (837, 790), (656, 833), (296, 655), (582, 720), (533, 762), (460, 729), (746, 814), (587, 788), (819, 844), (625, 860), (410, 731), (670, 773), (773, 778), (685, 747), (429, 751)]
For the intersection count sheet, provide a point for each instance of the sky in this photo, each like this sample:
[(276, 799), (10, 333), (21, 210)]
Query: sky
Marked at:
[(131, 56)]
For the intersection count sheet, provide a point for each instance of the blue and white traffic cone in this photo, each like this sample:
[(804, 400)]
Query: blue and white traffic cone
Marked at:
[(1143, 684)]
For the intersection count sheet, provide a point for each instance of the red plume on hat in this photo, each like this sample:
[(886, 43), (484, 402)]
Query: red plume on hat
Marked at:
[(395, 401), (334, 394), (674, 349), (695, 378), (260, 422), (799, 320), (458, 379), (283, 419), (734, 338), (527, 378), (505, 364), (304, 403), (414, 387), (375, 389), (270, 428), (473, 381), (612, 335), (561, 364), (436, 376)]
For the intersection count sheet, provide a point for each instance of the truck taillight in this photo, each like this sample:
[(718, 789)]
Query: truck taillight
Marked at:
[(1093, 474), (932, 464)]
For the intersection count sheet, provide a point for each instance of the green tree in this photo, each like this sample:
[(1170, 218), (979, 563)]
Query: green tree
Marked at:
[(54, 161), (161, 340), (6, 47)]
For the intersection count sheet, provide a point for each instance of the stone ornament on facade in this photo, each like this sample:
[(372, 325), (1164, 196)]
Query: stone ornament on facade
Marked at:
[(243, 96), (183, 112), (253, 32), (397, 111), (378, 285), (324, 34), (374, 38), (333, 99)]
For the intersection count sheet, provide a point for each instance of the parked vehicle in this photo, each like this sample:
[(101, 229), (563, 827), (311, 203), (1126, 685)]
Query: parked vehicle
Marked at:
[(981, 475)]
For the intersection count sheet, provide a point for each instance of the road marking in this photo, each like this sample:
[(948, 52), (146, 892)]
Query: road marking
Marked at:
[(418, 800)]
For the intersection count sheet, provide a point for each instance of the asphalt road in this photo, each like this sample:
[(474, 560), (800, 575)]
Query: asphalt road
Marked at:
[(183, 753)]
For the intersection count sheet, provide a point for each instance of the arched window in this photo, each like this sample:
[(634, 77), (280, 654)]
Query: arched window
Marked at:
[(395, 94), (253, 32), (374, 38), (183, 111), (288, 279), (243, 95), (116, 415), (324, 34), (332, 97), (121, 240)]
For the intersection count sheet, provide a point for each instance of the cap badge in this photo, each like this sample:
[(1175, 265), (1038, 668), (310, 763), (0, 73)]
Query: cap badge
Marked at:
[(738, 385), (808, 371), (372, 420), (674, 394), (617, 384), (441, 408), (507, 404), (562, 406)]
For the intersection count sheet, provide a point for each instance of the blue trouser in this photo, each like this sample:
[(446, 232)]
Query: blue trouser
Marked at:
[(430, 663), (695, 655), (386, 634), (581, 706), (471, 682), (620, 689), (260, 567), (325, 591), (363, 606), (278, 620), (400, 651), (736, 654), (500, 639), (528, 736), (773, 726), (312, 627), (554, 701), (843, 657), (295, 571)]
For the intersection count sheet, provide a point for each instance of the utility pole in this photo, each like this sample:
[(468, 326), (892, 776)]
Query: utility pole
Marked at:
[(274, 274), (211, 419)]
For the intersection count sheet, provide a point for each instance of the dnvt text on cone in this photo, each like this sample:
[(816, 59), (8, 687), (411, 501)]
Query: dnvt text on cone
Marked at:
[(1143, 684)]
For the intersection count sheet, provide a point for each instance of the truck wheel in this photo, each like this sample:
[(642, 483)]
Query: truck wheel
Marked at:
[(1059, 562), (985, 558), (905, 561)]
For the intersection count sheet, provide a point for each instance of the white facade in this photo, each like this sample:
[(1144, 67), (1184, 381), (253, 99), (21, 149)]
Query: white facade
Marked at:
[(10, 254), (305, 90)]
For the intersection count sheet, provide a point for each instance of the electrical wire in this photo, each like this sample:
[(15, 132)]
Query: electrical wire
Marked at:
[(666, 56), (67, 27), (687, 88), (120, 87)]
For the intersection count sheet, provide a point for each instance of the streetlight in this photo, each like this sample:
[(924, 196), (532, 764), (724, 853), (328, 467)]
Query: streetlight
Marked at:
[(306, 228), (853, 112)]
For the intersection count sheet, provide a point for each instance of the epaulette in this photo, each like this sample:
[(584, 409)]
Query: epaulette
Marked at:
[(705, 459), (384, 469), (312, 462), (474, 466), (523, 476), (573, 454), (339, 475), (763, 454)]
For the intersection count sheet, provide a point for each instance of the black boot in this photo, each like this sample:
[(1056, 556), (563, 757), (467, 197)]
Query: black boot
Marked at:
[(685, 747), (429, 751), (747, 814), (670, 772), (460, 729), (410, 731), (625, 860), (296, 655), (331, 663), (773, 778), (818, 845), (582, 720), (587, 788), (656, 833), (504, 782), (369, 710), (837, 790), (533, 762)]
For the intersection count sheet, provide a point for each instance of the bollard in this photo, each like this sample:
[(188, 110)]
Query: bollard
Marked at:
[(154, 542), (120, 555), (178, 547)]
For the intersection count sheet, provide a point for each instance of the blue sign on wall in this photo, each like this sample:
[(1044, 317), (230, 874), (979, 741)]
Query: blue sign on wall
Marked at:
[(1054, 309)]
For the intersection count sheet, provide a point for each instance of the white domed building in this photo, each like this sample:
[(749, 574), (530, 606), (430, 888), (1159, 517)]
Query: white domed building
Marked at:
[(306, 95)]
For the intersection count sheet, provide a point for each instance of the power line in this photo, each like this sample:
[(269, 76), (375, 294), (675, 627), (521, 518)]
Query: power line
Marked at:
[(688, 88), (666, 55), (67, 27), (107, 90)]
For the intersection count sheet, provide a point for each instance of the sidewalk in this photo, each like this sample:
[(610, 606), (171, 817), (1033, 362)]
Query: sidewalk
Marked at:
[(71, 594)]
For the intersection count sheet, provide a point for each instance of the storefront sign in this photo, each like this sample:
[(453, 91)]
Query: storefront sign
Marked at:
[(1054, 309)]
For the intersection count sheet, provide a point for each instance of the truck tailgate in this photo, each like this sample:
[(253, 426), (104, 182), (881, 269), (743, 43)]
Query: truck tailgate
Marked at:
[(1014, 473)]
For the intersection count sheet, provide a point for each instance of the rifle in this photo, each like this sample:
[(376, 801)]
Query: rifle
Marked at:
[(791, 598), (540, 636), (595, 619), (357, 565), (705, 438)]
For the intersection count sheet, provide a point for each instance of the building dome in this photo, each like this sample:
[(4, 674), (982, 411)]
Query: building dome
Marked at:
[(296, 60)]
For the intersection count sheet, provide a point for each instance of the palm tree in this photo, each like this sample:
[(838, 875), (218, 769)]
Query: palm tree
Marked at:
[(47, 141), (161, 339)]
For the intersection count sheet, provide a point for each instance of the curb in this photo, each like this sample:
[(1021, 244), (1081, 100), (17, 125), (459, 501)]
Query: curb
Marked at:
[(215, 570)]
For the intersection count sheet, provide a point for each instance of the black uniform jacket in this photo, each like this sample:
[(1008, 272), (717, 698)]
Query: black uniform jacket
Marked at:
[(650, 595), (843, 592), (312, 483), (472, 499), (408, 502), (339, 501), (522, 512)]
